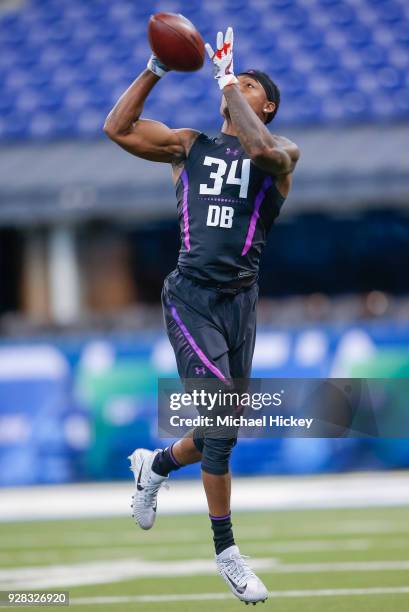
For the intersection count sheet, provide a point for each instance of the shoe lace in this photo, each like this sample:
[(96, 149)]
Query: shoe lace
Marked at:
[(237, 568)]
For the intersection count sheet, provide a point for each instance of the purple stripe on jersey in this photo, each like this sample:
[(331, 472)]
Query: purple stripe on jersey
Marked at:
[(194, 346), (186, 237), (172, 456), (268, 181)]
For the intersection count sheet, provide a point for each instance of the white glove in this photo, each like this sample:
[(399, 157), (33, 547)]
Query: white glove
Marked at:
[(155, 65), (223, 59)]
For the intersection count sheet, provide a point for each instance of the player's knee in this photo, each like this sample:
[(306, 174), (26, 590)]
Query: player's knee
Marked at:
[(216, 455)]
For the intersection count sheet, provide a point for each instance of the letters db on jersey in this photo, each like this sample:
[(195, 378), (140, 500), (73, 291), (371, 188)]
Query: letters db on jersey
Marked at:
[(226, 207)]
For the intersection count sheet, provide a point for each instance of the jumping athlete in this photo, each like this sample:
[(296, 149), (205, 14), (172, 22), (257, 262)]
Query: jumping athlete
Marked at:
[(229, 190)]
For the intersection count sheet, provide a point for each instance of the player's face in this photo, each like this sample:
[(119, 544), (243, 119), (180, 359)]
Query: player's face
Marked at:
[(254, 94)]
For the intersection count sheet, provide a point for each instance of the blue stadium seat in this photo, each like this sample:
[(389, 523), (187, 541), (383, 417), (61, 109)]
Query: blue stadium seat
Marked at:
[(402, 34), (358, 35), (329, 57), (15, 126), (7, 103), (297, 18), (342, 81), (312, 39), (392, 12), (401, 102)]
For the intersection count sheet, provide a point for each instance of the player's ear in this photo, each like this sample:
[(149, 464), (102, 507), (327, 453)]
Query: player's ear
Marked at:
[(269, 107)]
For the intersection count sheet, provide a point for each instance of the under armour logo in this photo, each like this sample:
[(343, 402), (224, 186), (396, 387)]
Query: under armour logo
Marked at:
[(200, 371), (232, 151)]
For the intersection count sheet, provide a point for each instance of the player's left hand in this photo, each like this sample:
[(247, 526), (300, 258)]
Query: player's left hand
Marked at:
[(222, 59)]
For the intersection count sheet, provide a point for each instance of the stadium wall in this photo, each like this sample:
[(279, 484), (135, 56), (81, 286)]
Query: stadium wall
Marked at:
[(73, 409)]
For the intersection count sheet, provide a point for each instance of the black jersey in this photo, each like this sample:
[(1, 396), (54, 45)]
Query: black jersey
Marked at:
[(226, 206)]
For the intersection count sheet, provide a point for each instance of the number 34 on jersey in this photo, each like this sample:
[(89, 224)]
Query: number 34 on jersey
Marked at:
[(222, 216)]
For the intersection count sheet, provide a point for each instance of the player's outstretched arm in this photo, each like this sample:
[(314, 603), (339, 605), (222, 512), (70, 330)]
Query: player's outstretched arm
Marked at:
[(273, 154), (144, 138)]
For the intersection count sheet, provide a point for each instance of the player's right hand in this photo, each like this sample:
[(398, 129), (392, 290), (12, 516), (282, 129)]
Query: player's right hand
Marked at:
[(222, 59), (156, 66)]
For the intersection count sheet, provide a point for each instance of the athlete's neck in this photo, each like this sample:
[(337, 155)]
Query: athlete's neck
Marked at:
[(228, 128)]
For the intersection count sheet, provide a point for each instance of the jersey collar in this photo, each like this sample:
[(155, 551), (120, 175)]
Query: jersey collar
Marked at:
[(228, 137)]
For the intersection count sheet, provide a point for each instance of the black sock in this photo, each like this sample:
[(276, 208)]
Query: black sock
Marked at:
[(165, 462), (222, 532)]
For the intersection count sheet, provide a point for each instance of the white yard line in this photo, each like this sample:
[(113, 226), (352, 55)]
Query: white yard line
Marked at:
[(117, 570), (354, 490), (344, 566), (222, 596), (101, 572), (58, 553)]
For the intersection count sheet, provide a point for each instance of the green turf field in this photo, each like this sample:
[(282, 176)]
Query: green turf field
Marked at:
[(324, 560)]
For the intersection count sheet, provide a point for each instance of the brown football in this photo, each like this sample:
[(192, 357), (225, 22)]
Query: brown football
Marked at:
[(176, 42)]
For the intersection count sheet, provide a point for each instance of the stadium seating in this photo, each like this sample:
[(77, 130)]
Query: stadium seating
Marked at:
[(63, 63)]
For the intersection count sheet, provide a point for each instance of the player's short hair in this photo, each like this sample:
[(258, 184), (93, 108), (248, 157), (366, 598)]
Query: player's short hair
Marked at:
[(271, 89)]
